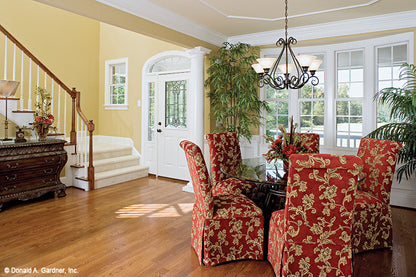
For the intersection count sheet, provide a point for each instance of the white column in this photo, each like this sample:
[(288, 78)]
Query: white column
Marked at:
[(196, 86), (197, 56)]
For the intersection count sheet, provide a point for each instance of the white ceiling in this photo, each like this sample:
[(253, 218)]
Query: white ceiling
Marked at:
[(220, 20)]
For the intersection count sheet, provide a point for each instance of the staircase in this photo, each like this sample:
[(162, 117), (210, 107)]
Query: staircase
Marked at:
[(115, 161)]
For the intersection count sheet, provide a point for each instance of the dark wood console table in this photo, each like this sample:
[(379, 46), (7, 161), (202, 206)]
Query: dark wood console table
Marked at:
[(31, 169)]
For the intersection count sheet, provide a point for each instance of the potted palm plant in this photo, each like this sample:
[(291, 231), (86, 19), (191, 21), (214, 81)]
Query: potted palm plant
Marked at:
[(402, 102), (235, 104)]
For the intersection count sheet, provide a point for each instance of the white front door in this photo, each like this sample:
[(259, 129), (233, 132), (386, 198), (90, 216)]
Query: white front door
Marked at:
[(173, 124)]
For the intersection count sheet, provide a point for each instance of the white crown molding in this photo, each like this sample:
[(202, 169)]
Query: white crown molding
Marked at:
[(291, 16), (362, 25), (164, 17)]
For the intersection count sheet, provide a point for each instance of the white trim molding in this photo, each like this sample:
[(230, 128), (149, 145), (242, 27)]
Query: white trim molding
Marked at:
[(154, 13), (218, 10), (392, 21)]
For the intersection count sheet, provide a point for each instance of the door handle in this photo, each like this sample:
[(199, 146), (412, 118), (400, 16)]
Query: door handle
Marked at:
[(159, 130)]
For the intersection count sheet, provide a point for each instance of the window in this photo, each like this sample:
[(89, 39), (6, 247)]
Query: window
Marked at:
[(349, 98), (175, 103), (116, 84), (389, 61), (312, 104), (279, 110), (151, 112), (341, 108)]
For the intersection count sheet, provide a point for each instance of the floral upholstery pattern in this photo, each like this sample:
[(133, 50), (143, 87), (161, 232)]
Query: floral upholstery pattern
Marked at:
[(224, 227), (312, 235), (372, 225), (311, 142), (224, 151)]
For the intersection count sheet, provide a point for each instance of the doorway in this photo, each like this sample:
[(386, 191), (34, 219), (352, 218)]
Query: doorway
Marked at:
[(167, 114)]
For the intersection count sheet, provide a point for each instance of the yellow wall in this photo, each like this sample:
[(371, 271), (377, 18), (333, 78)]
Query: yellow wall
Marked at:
[(110, 15), (68, 44), (119, 43)]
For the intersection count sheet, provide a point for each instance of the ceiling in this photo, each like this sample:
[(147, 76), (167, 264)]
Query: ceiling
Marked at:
[(230, 18)]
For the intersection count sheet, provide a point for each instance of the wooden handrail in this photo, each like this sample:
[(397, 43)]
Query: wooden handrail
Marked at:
[(33, 58), (91, 126), (76, 105)]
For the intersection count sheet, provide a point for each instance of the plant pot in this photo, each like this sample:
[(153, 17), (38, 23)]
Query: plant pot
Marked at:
[(42, 134)]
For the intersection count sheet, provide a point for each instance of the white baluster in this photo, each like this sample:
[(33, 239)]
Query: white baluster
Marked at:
[(29, 104), (59, 109), (21, 84), (5, 58), (37, 85), (86, 145), (52, 96), (65, 97), (14, 62)]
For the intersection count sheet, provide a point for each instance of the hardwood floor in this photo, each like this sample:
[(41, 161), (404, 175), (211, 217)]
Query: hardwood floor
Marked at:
[(142, 228)]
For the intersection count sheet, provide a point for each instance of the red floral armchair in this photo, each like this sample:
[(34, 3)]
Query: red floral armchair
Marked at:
[(311, 142), (224, 151), (224, 227), (372, 227), (312, 235)]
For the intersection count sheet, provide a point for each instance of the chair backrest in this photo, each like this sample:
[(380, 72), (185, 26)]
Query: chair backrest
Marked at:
[(224, 151), (379, 157), (311, 142), (320, 202), (200, 178)]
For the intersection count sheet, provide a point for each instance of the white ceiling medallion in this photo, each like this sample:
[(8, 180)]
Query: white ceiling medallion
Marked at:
[(292, 16)]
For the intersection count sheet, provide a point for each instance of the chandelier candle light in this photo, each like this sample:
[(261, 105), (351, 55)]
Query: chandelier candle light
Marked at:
[(292, 75)]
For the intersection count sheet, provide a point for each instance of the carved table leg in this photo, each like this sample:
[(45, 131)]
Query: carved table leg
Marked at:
[(61, 193)]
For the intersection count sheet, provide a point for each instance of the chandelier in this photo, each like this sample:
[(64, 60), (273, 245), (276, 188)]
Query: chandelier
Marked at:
[(288, 75)]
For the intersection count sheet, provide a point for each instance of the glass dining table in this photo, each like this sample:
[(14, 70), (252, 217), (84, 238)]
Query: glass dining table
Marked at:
[(270, 178)]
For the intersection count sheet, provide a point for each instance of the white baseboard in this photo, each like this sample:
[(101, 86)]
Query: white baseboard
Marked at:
[(188, 187)]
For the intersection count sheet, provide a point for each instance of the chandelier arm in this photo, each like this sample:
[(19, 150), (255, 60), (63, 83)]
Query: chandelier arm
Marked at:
[(314, 80), (275, 83), (298, 66), (274, 72), (271, 76)]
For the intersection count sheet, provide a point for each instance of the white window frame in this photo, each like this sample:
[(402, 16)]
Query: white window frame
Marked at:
[(107, 104), (370, 73)]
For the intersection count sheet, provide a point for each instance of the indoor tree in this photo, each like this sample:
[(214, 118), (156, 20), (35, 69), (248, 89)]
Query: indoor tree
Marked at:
[(402, 104), (235, 103)]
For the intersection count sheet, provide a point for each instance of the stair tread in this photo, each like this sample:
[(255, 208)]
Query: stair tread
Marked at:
[(119, 171), (9, 98), (108, 147), (116, 159), (20, 111)]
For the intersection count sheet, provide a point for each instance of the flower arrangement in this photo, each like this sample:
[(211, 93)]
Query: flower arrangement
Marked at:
[(43, 119), (286, 144)]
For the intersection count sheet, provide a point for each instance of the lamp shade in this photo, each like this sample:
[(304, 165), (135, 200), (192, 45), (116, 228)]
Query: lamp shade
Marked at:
[(266, 63), (258, 68), (286, 70), (305, 60), (8, 88), (315, 65)]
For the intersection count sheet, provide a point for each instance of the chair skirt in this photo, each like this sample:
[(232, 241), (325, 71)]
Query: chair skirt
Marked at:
[(372, 224)]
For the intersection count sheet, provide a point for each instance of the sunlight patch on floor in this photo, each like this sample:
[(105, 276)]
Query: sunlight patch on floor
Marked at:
[(154, 210)]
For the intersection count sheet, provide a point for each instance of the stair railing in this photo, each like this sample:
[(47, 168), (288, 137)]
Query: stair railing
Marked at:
[(23, 60)]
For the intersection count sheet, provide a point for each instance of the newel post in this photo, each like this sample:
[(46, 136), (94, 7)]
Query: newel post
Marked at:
[(91, 171), (73, 137)]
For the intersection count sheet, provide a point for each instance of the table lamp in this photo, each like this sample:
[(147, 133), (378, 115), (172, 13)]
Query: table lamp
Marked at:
[(7, 89)]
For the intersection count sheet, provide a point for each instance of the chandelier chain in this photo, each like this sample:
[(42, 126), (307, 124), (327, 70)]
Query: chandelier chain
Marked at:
[(286, 19)]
